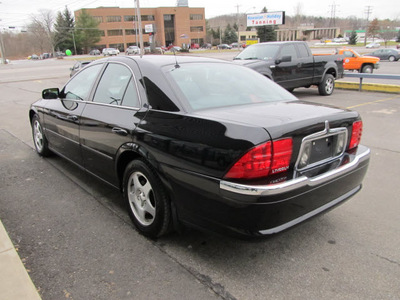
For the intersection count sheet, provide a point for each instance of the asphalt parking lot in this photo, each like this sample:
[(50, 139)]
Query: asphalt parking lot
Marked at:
[(77, 242)]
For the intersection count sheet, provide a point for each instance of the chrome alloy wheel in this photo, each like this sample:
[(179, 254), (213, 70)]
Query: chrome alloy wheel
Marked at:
[(141, 198), (38, 136), (329, 85)]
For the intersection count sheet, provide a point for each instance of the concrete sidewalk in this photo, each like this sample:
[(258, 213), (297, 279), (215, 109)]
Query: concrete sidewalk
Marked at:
[(15, 282)]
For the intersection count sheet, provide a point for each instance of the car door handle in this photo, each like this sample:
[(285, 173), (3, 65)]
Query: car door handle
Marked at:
[(72, 118), (120, 131)]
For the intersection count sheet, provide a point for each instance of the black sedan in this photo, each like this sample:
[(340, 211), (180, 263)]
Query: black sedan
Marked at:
[(386, 54), (202, 142)]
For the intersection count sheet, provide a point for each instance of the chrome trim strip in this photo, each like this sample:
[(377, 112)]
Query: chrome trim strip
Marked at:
[(363, 154), (311, 213)]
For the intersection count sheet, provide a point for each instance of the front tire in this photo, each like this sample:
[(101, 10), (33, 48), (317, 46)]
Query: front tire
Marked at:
[(146, 199), (39, 139), (327, 85), (367, 69)]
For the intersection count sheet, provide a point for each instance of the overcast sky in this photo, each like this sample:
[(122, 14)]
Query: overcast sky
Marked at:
[(18, 12)]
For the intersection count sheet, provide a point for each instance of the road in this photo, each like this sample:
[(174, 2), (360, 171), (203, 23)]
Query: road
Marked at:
[(75, 237)]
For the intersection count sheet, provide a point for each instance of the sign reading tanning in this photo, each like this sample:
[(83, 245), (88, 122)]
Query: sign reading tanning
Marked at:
[(271, 18)]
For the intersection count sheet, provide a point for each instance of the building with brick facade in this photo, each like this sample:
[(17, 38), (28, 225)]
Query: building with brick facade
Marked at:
[(172, 26)]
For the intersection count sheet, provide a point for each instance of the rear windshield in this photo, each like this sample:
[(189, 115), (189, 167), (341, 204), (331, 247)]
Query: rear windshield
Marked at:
[(208, 85)]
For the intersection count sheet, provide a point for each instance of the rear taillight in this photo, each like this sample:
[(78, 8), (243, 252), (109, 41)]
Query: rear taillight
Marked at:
[(356, 134), (263, 160)]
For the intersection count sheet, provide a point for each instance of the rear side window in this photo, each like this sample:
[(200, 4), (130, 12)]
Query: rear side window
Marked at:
[(113, 86), (303, 50)]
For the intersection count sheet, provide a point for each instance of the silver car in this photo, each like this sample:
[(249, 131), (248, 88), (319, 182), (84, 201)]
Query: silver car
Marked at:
[(132, 50), (110, 51)]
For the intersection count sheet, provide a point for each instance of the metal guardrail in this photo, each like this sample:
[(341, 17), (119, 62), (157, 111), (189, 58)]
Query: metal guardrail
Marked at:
[(369, 75)]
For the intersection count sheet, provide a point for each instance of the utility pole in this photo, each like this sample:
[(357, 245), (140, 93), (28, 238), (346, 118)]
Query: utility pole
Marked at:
[(237, 23), (2, 52), (368, 11), (333, 14), (140, 28)]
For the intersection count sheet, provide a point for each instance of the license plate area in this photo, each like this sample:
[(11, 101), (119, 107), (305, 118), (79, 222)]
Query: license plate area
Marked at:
[(321, 147)]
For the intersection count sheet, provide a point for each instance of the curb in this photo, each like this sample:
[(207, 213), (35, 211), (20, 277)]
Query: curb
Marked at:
[(372, 87), (15, 282)]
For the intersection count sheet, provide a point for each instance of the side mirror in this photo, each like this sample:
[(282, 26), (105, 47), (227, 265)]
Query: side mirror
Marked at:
[(52, 93)]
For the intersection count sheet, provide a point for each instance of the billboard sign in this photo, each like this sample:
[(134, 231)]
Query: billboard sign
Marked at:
[(271, 18)]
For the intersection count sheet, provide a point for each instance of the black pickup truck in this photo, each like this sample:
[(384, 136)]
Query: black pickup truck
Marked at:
[(292, 65)]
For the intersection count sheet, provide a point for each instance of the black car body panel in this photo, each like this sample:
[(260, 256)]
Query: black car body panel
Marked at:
[(191, 149)]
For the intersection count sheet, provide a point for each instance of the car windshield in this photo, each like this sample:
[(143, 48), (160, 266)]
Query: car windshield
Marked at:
[(265, 52), (208, 85)]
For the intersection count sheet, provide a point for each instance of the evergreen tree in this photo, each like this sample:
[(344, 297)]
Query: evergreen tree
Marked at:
[(230, 35), (266, 33), (353, 38), (398, 37), (87, 31), (64, 30)]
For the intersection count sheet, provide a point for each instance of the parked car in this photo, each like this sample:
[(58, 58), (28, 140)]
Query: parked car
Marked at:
[(132, 50), (33, 56), (356, 62), (60, 54), (78, 66), (110, 51), (94, 52), (373, 45), (292, 65), (224, 46), (187, 144), (386, 54), (194, 46), (45, 55)]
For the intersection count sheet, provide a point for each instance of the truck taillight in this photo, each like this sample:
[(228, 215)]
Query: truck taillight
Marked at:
[(356, 134), (263, 160)]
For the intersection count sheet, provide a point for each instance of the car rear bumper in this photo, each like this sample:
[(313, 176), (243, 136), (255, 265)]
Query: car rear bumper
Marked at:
[(257, 210), (363, 154)]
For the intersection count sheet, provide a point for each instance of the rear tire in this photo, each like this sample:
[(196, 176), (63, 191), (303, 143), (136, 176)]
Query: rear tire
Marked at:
[(367, 69), (147, 202), (392, 58), (39, 139), (327, 85)]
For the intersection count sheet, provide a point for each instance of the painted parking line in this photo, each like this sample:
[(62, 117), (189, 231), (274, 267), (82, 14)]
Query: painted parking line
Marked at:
[(372, 102)]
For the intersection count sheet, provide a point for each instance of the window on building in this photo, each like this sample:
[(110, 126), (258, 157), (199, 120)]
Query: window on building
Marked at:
[(196, 17), (243, 38), (114, 32), (131, 31), (98, 19), (196, 28), (147, 18), (129, 18), (113, 18), (102, 33)]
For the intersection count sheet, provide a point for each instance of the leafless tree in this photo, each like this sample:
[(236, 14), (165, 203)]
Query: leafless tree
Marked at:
[(42, 30)]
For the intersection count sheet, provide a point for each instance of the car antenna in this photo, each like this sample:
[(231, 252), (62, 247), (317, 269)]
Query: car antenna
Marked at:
[(177, 66)]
